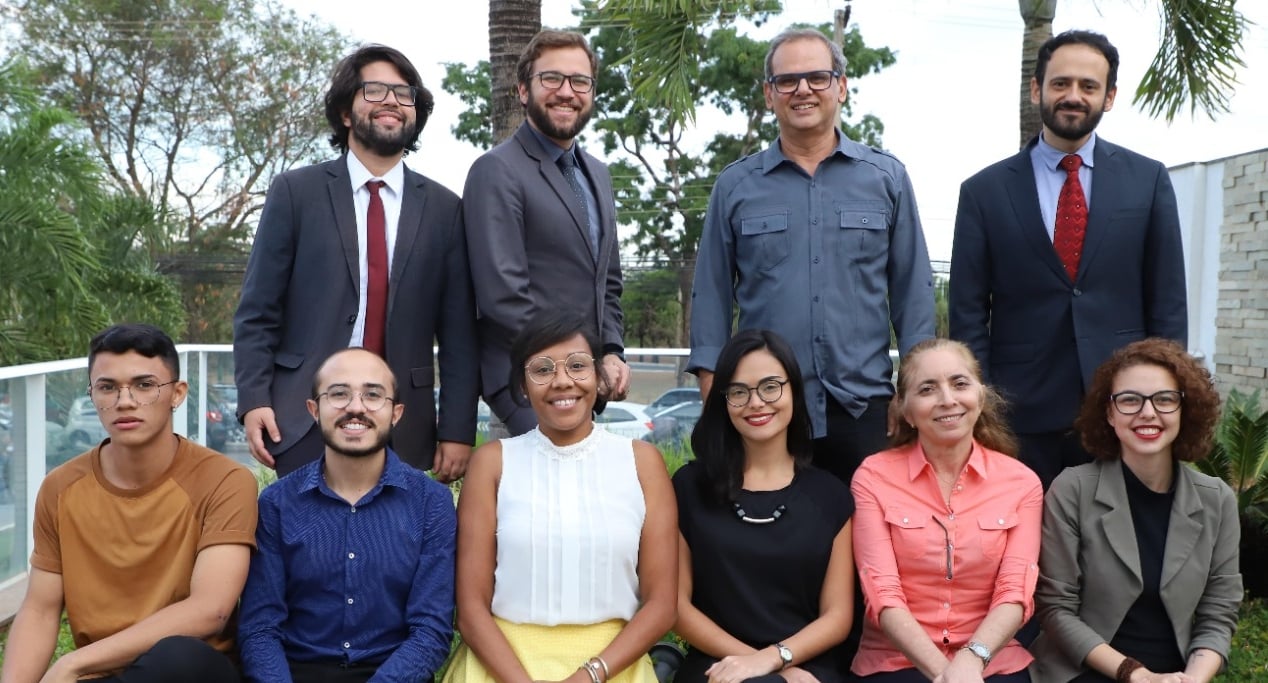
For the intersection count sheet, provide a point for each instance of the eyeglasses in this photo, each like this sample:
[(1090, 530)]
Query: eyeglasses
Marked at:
[(769, 390), (541, 370), (341, 397), (143, 392), (816, 80), (1132, 402), (553, 80), (374, 91)]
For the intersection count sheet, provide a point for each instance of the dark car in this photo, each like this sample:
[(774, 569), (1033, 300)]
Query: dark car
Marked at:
[(219, 418), (675, 424)]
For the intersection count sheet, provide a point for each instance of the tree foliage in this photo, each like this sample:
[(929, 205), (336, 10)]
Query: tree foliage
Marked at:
[(193, 105), (663, 166), (68, 262)]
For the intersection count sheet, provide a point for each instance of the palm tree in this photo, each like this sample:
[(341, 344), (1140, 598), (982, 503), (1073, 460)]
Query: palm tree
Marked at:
[(512, 24), (1196, 62)]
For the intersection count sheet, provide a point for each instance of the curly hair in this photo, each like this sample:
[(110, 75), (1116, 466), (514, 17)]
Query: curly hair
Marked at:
[(1200, 407), (345, 82), (991, 430)]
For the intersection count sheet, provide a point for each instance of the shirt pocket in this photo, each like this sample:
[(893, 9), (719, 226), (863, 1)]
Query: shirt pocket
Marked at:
[(912, 539), (764, 239), (993, 530), (864, 230)]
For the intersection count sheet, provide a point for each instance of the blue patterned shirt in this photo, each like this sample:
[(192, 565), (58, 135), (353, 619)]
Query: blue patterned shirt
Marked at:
[(371, 583)]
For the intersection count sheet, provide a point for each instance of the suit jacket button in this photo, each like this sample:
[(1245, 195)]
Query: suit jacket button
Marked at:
[(352, 319), (1078, 292)]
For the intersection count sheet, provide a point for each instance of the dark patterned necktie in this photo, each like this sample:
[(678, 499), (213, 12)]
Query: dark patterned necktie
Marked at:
[(1071, 224), (568, 166)]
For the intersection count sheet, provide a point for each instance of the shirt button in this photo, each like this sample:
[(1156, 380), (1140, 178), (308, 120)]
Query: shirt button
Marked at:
[(904, 520), (354, 509), (816, 259), (865, 220), (350, 601), (352, 319), (1001, 522), (816, 299), (814, 221), (945, 632), (946, 605), (352, 556), (951, 516), (347, 645)]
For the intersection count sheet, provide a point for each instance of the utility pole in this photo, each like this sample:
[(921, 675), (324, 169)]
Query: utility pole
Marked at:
[(840, 18)]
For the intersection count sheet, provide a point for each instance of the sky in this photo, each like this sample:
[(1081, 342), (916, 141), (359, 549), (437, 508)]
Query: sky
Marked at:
[(949, 104)]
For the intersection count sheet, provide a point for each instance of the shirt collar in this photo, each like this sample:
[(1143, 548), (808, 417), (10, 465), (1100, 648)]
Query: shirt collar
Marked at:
[(1051, 156), (917, 463), (774, 155), (394, 475), (552, 148), (359, 175)]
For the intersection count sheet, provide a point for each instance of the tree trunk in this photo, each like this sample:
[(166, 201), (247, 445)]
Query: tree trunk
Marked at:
[(1037, 16), (512, 23)]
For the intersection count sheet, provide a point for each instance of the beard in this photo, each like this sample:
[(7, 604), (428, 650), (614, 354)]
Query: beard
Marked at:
[(540, 117), (378, 140), (328, 436), (1075, 130)]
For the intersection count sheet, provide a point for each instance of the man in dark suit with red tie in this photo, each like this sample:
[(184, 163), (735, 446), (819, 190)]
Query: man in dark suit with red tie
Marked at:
[(360, 251), (1063, 253)]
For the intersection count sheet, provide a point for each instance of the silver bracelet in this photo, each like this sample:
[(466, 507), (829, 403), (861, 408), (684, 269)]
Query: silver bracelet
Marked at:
[(606, 674), (593, 670)]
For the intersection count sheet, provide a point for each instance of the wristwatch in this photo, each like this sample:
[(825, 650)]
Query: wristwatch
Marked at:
[(980, 651), (785, 655)]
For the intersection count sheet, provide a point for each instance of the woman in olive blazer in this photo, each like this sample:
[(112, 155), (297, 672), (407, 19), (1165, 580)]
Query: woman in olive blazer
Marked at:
[(1139, 576)]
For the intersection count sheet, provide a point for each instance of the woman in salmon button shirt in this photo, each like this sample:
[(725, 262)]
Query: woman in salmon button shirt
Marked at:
[(946, 532)]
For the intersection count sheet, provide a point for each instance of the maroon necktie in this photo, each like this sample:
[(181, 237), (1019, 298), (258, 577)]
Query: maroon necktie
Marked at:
[(376, 268), (1071, 225)]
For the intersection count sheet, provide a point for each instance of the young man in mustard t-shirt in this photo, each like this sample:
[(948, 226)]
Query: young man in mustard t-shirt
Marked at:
[(144, 540)]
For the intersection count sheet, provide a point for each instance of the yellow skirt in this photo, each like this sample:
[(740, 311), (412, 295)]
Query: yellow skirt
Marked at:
[(550, 653)]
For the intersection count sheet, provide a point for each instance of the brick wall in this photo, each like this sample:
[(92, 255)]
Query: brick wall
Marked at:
[(1241, 340)]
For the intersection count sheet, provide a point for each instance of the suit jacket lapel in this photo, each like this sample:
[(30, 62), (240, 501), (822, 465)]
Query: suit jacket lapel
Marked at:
[(340, 189), (1024, 196), (555, 179), (408, 231), (1116, 523), (1184, 527), (1106, 179)]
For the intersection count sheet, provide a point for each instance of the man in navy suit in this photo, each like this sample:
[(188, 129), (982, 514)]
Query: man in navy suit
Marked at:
[(541, 219), (322, 277), (1043, 303)]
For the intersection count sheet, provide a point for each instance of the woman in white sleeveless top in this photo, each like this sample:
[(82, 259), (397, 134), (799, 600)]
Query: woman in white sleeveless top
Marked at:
[(566, 568)]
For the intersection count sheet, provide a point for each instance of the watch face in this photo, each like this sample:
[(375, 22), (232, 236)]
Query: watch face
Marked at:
[(785, 654)]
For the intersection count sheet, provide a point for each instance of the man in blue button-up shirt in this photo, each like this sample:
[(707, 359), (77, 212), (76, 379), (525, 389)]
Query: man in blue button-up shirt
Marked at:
[(353, 580), (818, 239)]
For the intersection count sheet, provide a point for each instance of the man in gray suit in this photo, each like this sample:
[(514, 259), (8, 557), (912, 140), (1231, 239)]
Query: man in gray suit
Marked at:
[(541, 220), (360, 251), (1043, 294)]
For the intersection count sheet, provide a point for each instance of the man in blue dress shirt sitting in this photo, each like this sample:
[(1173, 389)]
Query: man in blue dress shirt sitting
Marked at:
[(353, 578)]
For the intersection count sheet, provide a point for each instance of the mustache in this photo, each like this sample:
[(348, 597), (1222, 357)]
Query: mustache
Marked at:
[(359, 417), (1073, 106)]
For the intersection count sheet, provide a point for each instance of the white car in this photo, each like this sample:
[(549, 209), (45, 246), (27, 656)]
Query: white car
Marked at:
[(626, 419)]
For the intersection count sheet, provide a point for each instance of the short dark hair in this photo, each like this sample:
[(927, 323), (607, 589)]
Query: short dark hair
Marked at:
[(550, 39), (547, 328), (345, 82), (1092, 39), (1199, 410), (147, 340), (317, 375), (715, 441)]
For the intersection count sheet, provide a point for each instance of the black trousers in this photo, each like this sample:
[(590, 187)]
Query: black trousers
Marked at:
[(914, 676), (849, 440), (179, 659), (331, 672)]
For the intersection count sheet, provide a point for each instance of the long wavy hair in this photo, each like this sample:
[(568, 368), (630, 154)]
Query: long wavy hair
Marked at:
[(1199, 409), (991, 430), (715, 441)]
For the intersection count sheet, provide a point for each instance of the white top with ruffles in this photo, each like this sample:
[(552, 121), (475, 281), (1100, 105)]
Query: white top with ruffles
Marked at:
[(568, 525)]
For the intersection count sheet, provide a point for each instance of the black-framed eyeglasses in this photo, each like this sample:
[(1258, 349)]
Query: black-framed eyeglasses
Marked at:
[(769, 390), (553, 80), (106, 394), (816, 80), (1132, 402), (375, 91), (341, 397), (541, 370)]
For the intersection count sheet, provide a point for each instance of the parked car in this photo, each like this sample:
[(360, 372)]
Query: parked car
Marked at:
[(673, 397), (227, 395), (218, 421), (674, 425), (83, 427), (625, 418)]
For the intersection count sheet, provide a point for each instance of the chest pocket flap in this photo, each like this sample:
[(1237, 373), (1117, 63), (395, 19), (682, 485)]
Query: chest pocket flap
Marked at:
[(761, 225)]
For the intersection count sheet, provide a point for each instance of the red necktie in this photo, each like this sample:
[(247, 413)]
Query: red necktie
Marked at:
[(1071, 225), (376, 267)]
